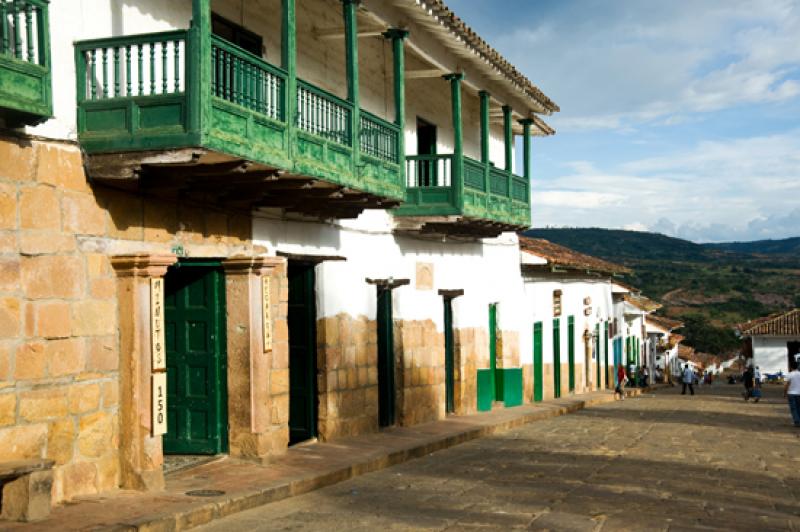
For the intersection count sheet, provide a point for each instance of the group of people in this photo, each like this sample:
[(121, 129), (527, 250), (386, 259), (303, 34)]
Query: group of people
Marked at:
[(644, 378)]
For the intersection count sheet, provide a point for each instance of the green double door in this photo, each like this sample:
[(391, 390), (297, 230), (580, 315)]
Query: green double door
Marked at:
[(194, 323), (302, 322)]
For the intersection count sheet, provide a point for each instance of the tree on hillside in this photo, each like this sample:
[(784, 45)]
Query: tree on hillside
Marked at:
[(705, 337)]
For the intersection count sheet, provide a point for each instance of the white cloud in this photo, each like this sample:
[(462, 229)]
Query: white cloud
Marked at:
[(722, 190), (633, 62)]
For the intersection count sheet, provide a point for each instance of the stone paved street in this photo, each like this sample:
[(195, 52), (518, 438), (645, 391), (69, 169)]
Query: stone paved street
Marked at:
[(659, 462)]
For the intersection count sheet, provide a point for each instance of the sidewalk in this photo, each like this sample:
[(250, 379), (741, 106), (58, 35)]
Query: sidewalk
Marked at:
[(304, 468)]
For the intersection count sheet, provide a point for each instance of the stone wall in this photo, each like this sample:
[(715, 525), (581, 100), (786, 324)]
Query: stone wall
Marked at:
[(471, 353), (347, 368), (419, 352), (59, 344)]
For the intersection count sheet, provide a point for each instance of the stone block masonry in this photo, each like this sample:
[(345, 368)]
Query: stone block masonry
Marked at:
[(59, 315)]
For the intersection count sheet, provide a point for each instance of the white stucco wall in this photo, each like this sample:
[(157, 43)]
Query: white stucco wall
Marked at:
[(487, 271), (539, 296), (771, 354)]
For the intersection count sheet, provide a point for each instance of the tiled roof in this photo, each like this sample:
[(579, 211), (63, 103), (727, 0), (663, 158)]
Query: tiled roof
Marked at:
[(664, 322), (642, 303), (566, 258), (781, 324), (446, 17), (676, 338)]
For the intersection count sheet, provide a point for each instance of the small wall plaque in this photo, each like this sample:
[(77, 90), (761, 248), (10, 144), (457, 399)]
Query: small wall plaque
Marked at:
[(157, 347), (159, 404), (266, 312)]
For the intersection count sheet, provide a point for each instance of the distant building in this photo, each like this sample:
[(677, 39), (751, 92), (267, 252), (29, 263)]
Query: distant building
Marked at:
[(571, 300), (772, 341)]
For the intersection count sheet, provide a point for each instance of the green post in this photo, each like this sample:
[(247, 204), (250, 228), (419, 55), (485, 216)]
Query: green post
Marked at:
[(198, 78), (349, 8), (398, 53), (508, 137), (526, 147), (484, 98), (455, 80), (289, 64)]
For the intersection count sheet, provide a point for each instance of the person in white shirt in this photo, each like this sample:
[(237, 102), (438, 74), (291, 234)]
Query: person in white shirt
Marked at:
[(688, 379), (791, 391)]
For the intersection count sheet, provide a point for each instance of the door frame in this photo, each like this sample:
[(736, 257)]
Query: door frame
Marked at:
[(222, 352), (497, 385), (571, 352)]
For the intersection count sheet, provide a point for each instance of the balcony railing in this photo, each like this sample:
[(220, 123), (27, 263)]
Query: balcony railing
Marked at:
[(142, 92), (488, 193), (25, 61)]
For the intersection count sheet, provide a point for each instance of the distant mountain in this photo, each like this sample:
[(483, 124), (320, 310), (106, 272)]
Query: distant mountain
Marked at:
[(711, 287), (618, 244), (763, 247)]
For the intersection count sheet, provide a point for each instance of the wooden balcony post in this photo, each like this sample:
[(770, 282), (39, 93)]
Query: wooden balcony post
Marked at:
[(198, 62), (289, 64), (526, 147), (350, 8), (508, 138), (455, 80), (398, 53), (484, 96)]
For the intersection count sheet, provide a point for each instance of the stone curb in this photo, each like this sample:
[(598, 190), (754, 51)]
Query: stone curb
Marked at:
[(215, 510)]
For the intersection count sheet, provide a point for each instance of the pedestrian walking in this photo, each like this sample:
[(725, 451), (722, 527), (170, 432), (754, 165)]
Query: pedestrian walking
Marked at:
[(791, 391), (622, 379), (747, 378), (645, 376), (688, 379)]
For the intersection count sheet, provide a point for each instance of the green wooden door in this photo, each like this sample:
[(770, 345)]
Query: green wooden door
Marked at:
[(302, 321), (538, 388), (605, 349), (497, 383), (194, 313), (449, 357), (556, 358), (571, 351), (386, 380)]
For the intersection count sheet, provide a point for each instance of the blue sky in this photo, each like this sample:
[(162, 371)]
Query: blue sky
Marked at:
[(681, 117)]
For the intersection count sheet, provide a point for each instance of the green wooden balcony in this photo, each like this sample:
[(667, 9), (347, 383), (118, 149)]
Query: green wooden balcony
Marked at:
[(156, 93), (486, 202), (25, 92)]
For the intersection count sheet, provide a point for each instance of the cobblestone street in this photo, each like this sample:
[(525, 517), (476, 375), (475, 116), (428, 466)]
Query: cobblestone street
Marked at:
[(659, 462)]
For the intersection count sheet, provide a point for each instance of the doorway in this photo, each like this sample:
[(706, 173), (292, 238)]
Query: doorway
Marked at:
[(302, 322), (386, 362), (596, 357), (426, 145), (556, 358), (792, 349), (194, 323), (497, 384), (538, 391)]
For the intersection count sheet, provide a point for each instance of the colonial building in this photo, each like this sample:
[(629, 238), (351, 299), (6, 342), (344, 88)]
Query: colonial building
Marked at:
[(772, 342), (227, 226), (572, 317)]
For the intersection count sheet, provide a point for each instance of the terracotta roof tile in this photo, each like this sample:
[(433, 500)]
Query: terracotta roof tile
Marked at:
[(664, 322), (566, 258), (780, 324), (643, 303)]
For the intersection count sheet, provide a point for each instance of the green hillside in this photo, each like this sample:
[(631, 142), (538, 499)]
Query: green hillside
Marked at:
[(710, 287)]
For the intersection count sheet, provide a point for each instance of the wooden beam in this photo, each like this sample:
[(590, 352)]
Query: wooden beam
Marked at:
[(419, 74), (338, 33)]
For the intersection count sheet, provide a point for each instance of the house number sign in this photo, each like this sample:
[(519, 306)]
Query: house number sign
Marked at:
[(158, 387), (266, 312), (159, 402), (157, 324)]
